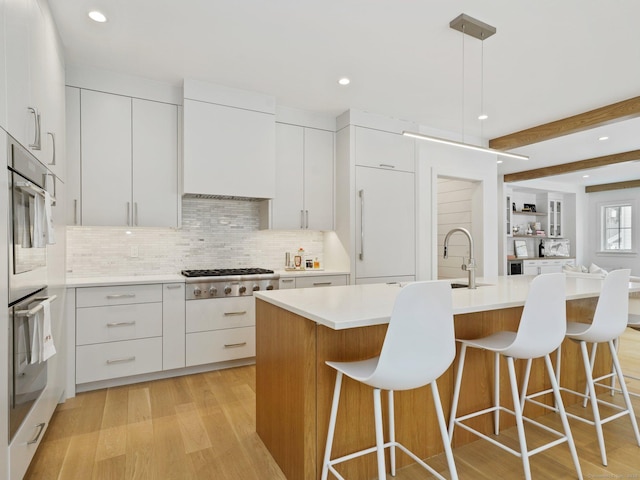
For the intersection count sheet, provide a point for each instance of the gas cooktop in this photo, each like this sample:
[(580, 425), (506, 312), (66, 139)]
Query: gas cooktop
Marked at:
[(224, 272)]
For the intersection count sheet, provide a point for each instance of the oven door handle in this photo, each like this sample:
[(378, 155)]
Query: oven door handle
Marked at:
[(32, 311)]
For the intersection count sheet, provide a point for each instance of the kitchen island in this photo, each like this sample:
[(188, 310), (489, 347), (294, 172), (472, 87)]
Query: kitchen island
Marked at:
[(298, 330)]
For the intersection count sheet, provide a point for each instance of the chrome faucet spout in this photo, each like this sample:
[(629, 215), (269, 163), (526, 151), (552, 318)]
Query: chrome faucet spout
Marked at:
[(471, 266)]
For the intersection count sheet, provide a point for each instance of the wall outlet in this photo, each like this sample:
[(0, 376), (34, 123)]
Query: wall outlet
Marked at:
[(134, 251)]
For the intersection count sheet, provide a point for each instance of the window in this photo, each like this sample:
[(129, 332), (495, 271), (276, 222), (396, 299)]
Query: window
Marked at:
[(616, 228)]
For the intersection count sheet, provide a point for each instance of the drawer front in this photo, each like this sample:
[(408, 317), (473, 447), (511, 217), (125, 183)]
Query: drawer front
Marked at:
[(321, 281), (286, 283), (220, 345), (30, 433), (118, 295), (119, 322), (118, 359), (219, 313)]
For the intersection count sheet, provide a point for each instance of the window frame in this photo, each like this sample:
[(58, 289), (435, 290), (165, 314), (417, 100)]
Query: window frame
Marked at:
[(601, 230)]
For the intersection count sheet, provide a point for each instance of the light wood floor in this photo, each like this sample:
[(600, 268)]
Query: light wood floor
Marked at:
[(203, 427)]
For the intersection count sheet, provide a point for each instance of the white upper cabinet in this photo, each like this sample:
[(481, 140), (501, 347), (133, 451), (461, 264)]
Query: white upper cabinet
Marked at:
[(155, 164), (106, 158), (129, 159), (35, 81), (375, 148), (72, 176), (304, 179), (229, 142)]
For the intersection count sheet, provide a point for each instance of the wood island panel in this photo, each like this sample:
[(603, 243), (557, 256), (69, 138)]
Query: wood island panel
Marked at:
[(294, 388)]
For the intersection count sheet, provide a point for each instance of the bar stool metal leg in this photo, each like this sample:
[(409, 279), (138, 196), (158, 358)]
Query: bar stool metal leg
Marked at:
[(377, 413), (524, 451), (594, 401), (496, 394), (625, 392), (392, 433), (332, 425), (456, 390)]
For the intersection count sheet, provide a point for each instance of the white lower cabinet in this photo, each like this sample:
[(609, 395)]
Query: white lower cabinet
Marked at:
[(220, 329), (307, 281), (173, 326), (537, 267)]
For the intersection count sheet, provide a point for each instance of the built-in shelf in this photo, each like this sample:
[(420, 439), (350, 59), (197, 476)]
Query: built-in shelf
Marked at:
[(535, 214)]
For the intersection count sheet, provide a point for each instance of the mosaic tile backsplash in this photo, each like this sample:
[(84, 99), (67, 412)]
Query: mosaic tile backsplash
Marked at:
[(214, 234)]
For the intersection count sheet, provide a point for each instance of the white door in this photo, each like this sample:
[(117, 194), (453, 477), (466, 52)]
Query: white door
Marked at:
[(106, 158), (155, 164), (318, 179), (385, 232), (287, 205)]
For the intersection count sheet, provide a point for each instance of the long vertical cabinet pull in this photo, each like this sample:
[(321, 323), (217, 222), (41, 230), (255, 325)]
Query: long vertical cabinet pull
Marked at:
[(135, 213), (301, 218), (36, 137), (306, 224), (128, 213), (75, 211), (361, 194), (53, 142)]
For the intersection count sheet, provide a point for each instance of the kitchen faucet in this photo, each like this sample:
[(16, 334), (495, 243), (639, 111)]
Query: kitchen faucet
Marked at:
[(471, 266)]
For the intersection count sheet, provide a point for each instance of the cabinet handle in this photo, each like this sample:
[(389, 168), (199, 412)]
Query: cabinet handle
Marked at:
[(301, 218), (232, 314), (387, 165), (121, 295), (320, 284), (287, 280), (55, 189), (135, 213), (75, 211), (171, 287), (361, 194), (53, 141), (233, 345), (121, 324), (36, 137), (35, 439), (306, 214), (121, 360), (128, 213)]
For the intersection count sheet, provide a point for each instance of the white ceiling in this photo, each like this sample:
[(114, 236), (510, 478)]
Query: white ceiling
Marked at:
[(548, 60)]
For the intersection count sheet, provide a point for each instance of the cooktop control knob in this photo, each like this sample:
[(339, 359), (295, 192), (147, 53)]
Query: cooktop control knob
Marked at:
[(197, 292), (256, 288), (243, 289), (269, 287), (227, 290), (213, 291)]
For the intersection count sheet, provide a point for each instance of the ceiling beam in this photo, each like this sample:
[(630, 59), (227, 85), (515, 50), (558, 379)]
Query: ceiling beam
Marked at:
[(573, 166), (612, 186), (595, 118)]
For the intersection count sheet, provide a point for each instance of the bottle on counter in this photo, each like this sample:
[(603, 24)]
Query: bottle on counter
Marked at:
[(316, 263), (298, 258), (541, 249)]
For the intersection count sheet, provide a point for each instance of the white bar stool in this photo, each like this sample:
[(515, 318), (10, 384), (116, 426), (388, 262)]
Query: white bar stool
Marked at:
[(419, 347), (541, 331), (609, 321)]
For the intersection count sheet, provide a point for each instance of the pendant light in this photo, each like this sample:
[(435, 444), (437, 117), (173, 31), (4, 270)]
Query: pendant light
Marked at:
[(475, 28)]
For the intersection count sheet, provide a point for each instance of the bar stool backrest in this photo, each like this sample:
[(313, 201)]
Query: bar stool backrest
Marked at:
[(419, 344), (612, 312), (543, 323)]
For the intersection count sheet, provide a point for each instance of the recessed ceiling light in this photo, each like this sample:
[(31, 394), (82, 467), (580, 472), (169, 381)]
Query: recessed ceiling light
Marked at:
[(499, 161), (97, 16), (344, 81), (483, 116), (603, 138), (585, 176)]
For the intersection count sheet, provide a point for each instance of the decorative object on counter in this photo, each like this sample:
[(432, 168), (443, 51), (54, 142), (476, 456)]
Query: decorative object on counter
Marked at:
[(516, 229), (521, 249), (316, 263), (298, 258), (513, 206), (541, 249), (309, 263), (287, 259), (529, 231), (529, 207)]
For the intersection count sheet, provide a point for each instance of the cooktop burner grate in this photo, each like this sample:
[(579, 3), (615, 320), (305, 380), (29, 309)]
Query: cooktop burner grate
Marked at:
[(223, 272)]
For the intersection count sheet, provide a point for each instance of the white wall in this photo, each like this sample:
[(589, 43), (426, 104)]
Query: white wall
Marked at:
[(611, 261), (435, 161)]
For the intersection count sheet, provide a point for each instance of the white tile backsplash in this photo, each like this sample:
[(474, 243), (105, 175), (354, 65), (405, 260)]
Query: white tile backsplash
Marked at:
[(214, 234)]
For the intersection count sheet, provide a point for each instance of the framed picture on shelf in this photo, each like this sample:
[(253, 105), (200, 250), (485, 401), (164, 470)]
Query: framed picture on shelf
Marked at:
[(521, 249), (529, 207)]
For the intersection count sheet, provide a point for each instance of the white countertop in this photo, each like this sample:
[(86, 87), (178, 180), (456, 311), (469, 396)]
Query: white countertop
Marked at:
[(123, 280), (364, 305)]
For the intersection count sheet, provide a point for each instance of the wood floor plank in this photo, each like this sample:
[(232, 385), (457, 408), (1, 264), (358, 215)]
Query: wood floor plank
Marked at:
[(110, 468), (116, 407), (139, 405), (170, 460), (79, 461), (112, 442), (140, 454), (194, 434), (48, 463)]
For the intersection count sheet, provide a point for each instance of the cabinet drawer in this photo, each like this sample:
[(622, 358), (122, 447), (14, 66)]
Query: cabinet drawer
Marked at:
[(218, 313), (220, 345), (287, 283), (118, 322), (375, 148), (321, 281), (118, 359), (118, 295)]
